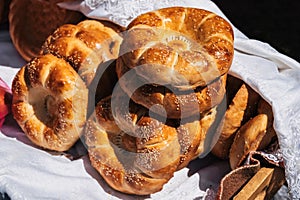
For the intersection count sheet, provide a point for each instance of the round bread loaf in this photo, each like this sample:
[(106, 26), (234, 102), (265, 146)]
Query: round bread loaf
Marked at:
[(137, 152), (131, 164), (85, 46), (174, 103), (182, 47), (32, 21), (50, 102)]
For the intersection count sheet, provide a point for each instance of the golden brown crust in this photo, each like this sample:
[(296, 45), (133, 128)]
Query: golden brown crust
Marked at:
[(85, 46), (233, 84), (242, 107), (211, 124), (116, 27), (48, 97), (184, 47), (130, 162), (174, 103), (232, 121), (32, 21), (195, 134), (247, 139), (265, 108), (138, 153)]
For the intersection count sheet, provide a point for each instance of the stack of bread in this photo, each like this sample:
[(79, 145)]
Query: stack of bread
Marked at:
[(169, 100), (160, 88)]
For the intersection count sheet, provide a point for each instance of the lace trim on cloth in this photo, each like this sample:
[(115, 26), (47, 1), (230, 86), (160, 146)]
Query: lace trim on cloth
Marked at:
[(120, 12), (291, 152), (125, 11)]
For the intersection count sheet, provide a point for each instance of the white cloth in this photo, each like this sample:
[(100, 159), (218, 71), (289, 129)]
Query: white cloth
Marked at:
[(29, 173)]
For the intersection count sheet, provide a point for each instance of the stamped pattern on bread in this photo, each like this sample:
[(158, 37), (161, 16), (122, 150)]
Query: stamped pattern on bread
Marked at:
[(203, 50), (50, 102)]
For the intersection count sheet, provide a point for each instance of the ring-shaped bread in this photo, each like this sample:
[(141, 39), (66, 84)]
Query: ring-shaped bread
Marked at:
[(85, 46), (136, 152), (183, 47), (174, 103), (50, 102)]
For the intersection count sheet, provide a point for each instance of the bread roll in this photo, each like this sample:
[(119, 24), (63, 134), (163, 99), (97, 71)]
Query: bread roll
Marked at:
[(247, 139), (50, 102), (85, 46), (242, 108), (183, 47), (128, 162), (137, 152), (174, 103), (32, 21), (189, 131), (265, 108)]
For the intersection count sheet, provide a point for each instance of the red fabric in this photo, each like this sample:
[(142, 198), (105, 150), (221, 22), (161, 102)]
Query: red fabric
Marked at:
[(5, 97)]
